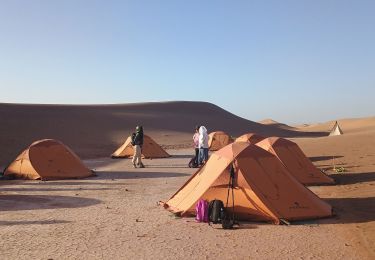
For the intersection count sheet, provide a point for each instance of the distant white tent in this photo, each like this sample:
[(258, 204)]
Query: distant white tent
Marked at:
[(336, 130)]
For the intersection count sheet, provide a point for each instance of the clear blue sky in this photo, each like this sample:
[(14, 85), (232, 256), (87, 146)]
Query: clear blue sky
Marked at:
[(293, 61)]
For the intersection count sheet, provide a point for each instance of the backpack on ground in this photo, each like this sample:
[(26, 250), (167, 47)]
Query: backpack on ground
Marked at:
[(201, 210), (216, 211), (227, 222), (193, 163)]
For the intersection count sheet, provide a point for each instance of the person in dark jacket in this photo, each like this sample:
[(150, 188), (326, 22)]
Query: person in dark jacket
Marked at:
[(137, 142)]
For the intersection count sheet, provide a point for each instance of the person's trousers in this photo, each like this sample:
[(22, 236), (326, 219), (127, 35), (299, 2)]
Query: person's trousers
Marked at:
[(196, 155), (137, 157), (203, 155)]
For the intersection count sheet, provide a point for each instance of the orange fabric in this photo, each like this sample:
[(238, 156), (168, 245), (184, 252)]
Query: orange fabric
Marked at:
[(295, 161), (150, 149), (218, 139), (47, 160), (250, 138), (264, 189)]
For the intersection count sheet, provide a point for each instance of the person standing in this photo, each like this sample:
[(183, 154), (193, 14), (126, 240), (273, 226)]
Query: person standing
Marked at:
[(203, 145), (137, 142), (196, 144)]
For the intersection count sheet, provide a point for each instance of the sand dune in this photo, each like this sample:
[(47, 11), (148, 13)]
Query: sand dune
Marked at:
[(97, 130), (348, 126), (276, 124)]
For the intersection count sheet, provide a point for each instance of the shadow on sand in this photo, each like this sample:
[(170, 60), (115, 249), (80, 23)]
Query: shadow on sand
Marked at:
[(246, 225), (62, 183), (32, 222), (353, 178), (137, 175), (351, 210), (53, 189), (324, 158), (32, 202), (167, 166), (346, 211), (183, 156), (240, 225)]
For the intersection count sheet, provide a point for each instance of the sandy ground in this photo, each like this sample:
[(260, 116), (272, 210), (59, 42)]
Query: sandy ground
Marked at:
[(115, 216)]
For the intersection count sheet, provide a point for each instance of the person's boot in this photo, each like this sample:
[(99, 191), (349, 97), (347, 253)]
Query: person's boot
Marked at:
[(141, 165), (134, 166)]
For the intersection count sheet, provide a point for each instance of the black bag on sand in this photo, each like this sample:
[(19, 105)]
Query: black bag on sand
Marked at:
[(227, 222), (193, 163), (216, 211)]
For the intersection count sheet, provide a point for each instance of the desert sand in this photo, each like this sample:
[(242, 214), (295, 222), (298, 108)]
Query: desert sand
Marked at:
[(115, 214)]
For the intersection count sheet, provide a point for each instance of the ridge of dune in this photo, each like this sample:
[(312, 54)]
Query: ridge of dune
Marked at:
[(268, 121), (272, 122)]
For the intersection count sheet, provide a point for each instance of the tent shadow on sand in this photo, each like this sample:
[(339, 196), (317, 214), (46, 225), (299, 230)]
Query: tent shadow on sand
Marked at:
[(51, 189), (353, 178), (56, 183), (242, 225), (324, 158), (351, 210), (33, 222), (137, 175), (168, 166), (183, 156), (33, 202)]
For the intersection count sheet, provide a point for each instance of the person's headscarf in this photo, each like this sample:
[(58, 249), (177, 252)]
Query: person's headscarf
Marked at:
[(203, 130), (203, 137)]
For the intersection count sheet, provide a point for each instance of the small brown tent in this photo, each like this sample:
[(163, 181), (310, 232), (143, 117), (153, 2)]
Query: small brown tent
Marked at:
[(250, 138), (47, 160), (218, 139), (150, 149), (264, 189), (295, 161)]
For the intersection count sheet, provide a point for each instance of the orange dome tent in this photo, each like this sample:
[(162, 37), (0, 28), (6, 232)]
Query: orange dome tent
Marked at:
[(264, 189), (218, 139), (295, 161), (150, 149), (250, 138), (47, 160)]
